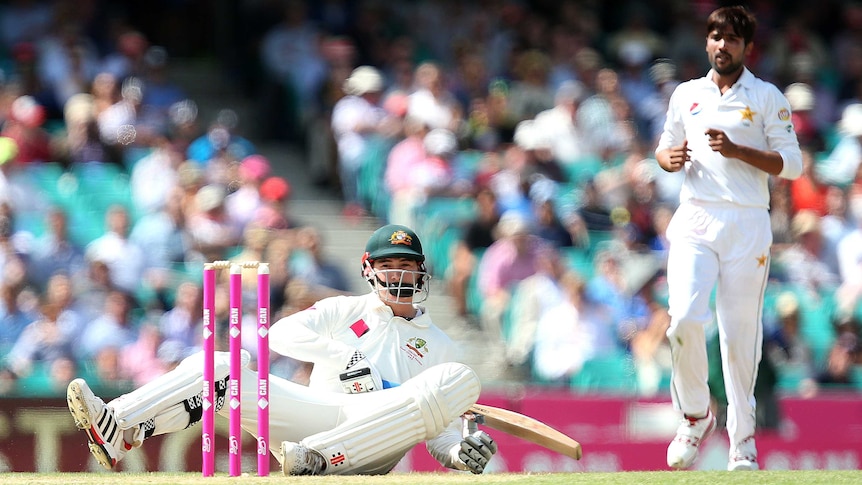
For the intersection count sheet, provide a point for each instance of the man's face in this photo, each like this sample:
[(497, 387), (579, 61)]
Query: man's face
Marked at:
[(726, 51), (396, 279)]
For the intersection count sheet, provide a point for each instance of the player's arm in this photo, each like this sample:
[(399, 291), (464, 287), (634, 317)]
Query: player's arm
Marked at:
[(769, 161), (304, 336)]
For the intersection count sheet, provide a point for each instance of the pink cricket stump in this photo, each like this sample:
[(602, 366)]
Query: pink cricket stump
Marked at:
[(235, 384), (263, 369), (208, 420)]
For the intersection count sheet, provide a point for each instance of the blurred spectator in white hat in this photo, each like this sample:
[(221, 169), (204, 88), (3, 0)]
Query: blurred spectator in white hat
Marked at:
[(357, 119), (802, 100), (841, 164), (560, 126)]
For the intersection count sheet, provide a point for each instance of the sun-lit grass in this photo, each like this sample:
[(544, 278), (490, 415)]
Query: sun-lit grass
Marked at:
[(620, 478)]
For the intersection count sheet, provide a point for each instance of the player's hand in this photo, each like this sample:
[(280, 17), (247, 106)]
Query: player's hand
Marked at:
[(676, 157), (720, 142), (475, 451)]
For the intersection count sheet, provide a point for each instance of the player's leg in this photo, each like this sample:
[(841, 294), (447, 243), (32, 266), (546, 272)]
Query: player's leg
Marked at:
[(379, 428), (169, 403), (692, 271), (739, 306)]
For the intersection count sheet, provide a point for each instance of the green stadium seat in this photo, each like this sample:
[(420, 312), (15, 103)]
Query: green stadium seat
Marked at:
[(613, 373)]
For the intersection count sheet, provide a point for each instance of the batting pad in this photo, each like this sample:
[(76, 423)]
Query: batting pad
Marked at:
[(182, 383), (381, 427)]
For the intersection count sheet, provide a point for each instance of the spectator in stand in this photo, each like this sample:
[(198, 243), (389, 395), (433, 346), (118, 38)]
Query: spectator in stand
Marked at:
[(835, 224), (401, 161), (843, 355), (571, 333), (13, 316), (180, 325), (140, 361), (550, 227), (311, 265), (127, 56), (273, 211), (432, 176), (222, 140), (356, 119), (431, 101), (244, 202), (841, 164), (163, 235), (475, 238), (780, 214), (25, 127), (530, 92), (113, 328), (54, 252), (533, 297), (786, 347), (559, 124), (511, 258), (593, 211), (802, 101), (160, 91), (155, 175), (801, 261), (126, 260), (41, 343), (598, 117), (67, 61), (211, 232), (808, 192)]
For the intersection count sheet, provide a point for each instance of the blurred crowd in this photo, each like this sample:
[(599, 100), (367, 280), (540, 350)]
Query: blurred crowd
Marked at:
[(516, 137)]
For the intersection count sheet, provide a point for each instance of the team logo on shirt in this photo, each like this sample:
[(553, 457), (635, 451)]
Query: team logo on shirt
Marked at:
[(401, 237), (747, 116), (695, 108), (784, 114), (416, 348), (761, 260)]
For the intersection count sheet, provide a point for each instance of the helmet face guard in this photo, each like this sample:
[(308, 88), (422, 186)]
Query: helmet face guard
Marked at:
[(397, 285)]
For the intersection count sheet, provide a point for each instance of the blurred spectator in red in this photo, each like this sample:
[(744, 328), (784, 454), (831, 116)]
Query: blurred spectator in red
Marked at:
[(808, 192), (273, 212), (24, 126)]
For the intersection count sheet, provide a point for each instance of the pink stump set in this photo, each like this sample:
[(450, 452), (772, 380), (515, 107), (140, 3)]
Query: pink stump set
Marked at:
[(233, 397)]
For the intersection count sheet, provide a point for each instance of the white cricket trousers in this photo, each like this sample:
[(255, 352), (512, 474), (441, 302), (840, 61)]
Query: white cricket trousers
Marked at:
[(723, 247)]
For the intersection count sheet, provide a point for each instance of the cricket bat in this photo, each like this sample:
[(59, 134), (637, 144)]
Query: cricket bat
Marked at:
[(526, 428)]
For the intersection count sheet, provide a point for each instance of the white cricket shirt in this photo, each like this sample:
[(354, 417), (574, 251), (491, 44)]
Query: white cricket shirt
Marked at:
[(753, 113)]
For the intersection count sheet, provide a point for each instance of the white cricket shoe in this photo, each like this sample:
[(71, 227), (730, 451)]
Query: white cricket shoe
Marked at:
[(683, 450), (298, 459), (98, 421), (743, 456)]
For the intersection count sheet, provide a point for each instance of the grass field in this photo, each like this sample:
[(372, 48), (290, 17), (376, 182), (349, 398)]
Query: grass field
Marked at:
[(619, 478)]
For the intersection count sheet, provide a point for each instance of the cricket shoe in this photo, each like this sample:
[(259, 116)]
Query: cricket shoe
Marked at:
[(298, 459), (743, 456), (691, 432), (98, 421)]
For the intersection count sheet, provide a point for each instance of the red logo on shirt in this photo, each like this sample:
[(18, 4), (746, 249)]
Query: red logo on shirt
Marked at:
[(695, 108), (359, 327)]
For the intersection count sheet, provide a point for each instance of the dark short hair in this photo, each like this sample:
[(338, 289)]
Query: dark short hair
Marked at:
[(736, 18)]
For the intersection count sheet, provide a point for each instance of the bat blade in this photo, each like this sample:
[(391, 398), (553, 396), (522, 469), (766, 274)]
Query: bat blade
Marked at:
[(527, 428)]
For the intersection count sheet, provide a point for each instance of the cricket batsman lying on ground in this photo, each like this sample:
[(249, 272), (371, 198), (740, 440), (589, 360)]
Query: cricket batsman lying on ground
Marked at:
[(333, 425)]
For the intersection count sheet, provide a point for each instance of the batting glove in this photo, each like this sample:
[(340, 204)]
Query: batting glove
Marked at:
[(475, 451)]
